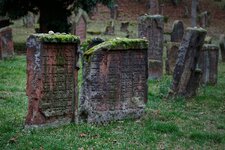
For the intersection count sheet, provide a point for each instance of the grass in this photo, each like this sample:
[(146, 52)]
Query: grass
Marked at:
[(197, 123)]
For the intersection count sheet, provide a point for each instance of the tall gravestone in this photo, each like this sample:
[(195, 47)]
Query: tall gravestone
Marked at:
[(6, 43), (79, 24), (208, 63), (187, 74), (151, 27), (172, 54), (177, 31), (222, 47), (52, 79), (114, 81)]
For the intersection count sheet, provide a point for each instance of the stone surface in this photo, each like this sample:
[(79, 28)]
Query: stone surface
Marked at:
[(208, 63), (153, 7), (6, 43), (172, 54), (114, 81), (177, 31), (222, 47), (29, 20), (151, 28), (110, 28), (204, 19), (187, 74), (52, 80)]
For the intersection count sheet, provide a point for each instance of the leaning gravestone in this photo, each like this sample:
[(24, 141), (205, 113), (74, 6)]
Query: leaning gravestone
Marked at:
[(6, 43), (177, 31), (171, 56), (151, 28), (208, 62), (222, 47), (114, 81), (52, 79), (187, 75)]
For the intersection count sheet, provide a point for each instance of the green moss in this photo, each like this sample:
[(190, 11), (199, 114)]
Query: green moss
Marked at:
[(91, 42), (119, 44), (197, 29), (58, 38)]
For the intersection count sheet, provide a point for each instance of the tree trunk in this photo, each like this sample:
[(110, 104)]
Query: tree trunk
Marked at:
[(54, 19)]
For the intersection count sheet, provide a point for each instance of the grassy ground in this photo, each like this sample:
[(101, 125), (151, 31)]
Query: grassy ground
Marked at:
[(197, 123)]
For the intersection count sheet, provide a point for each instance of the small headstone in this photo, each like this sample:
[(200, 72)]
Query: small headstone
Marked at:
[(204, 19), (124, 26), (114, 81), (222, 47), (29, 20), (110, 28), (177, 31), (187, 74), (208, 63), (6, 43), (79, 24), (172, 54), (153, 7), (151, 28), (52, 79)]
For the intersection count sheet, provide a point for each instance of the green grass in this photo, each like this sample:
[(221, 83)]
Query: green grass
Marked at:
[(197, 123)]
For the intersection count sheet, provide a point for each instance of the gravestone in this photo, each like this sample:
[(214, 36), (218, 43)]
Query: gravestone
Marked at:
[(52, 79), (29, 20), (114, 11), (153, 7), (208, 62), (89, 43), (222, 47), (114, 81), (177, 31), (187, 74), (110, 28), (79, 24), (172, 54), (204, 19), (6, 43), (124, 26), (151, 28)]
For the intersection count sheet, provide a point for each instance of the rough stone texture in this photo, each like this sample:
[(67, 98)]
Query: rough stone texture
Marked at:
[(177, 31), (51, 81), (222, 47), (187, 75), (79, 24), (110, 28), (172, 54), (151, 28), (6, 43), (114, 83), (208, 62)]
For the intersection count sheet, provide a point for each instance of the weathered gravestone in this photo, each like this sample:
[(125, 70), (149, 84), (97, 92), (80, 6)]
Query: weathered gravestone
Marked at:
[(187, 75), (124, 26), (177, 31), (222, 47), (6, 42), (172, 54), (114, 81), (153, 7), (151, 28), (52, 79), (29, 20), (208, 63), (79, 24), (204, 19)]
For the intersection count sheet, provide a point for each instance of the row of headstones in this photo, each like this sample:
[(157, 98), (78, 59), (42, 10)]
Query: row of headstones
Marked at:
[(115, 74)]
